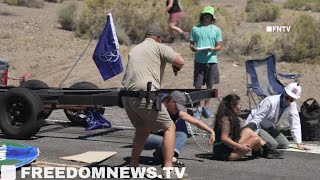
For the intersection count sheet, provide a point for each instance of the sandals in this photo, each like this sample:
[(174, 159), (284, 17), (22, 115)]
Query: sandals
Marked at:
[(158, 158), (178, 163)]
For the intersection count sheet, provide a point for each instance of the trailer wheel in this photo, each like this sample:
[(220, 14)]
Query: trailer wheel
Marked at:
[(79, 117), (34, 83), (20, 113)]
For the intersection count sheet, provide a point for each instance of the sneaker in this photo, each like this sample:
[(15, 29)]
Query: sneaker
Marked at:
[(206, 113), (173, 175), (273, 154), (157, 157), (197, 114), (270, 152), (177, 163)]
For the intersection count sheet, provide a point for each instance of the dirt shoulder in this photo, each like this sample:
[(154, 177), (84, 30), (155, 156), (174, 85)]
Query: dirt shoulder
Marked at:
[(32, 41)]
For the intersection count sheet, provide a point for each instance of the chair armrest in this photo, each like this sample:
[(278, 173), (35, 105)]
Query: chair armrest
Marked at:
[(256, 90), (289, 76)]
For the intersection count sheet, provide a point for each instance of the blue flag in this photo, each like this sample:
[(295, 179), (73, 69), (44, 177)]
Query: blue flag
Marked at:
[(96, 120), (106, 55)]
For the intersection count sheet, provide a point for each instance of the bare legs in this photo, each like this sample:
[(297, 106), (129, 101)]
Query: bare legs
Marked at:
[(140, 138), (169, 140), (248, 138), (173, 29)]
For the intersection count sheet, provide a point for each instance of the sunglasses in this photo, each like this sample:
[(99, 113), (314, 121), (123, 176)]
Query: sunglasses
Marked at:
[(289, 98)]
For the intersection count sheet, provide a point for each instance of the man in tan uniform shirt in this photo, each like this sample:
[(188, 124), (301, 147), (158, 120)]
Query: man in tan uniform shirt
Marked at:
[(146, 63)]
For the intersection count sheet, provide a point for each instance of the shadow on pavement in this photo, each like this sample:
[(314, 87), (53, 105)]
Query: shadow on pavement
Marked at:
[(212, 157)]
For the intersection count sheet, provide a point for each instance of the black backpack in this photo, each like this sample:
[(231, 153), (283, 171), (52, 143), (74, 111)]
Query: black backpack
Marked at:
[(310, 120)]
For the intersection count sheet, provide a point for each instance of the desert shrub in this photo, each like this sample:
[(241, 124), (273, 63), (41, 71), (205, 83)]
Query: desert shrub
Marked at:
[(92, 18), (12, 2), (238, 44), (133, 17), (26, 3), (303, 5), (294, 4), (5, 36), (302, 44), (313, 6), (259, 11), (54, 1), (263, 1), (122, 35), (248, 45), (137, 16), (5, 13), (67, 16)]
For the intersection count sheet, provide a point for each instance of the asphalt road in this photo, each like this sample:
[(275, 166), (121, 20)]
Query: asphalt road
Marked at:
[(58, 139)]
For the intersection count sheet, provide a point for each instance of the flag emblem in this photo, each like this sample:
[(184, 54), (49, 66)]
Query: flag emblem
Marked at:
[(106, 54)]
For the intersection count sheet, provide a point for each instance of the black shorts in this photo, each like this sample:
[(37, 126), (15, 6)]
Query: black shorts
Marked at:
[(221, 151), (205, 74)]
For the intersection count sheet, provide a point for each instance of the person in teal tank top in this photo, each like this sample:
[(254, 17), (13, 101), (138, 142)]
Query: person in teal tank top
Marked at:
[(205, 41)]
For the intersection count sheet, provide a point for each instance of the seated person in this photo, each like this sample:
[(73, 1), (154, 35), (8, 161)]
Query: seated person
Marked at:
[(232, 142), (174, 103), (278, 110)]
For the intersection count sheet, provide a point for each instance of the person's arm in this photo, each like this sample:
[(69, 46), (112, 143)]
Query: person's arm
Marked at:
[(192, 46), (259, 115), (170, 56), (193, 41), (218, 41), (225, 130), (186, 117), (169, 6), (177, 64), (295, 126), (217, 48)]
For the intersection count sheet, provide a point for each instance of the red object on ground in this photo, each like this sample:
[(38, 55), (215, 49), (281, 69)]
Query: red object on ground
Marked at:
[(4, 78)]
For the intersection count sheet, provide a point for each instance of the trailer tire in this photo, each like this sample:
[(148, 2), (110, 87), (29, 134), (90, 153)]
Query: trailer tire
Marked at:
[(34, 83), (78, 117), (20, 113)]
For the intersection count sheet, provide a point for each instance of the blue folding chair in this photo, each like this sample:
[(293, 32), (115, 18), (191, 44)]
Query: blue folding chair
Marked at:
[(264, 78)]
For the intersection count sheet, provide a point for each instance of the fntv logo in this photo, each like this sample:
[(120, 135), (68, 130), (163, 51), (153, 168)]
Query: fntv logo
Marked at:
[(278, 28)]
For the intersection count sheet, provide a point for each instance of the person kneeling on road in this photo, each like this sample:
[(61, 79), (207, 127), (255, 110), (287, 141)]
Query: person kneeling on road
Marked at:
[(278, 112), (174, 102)]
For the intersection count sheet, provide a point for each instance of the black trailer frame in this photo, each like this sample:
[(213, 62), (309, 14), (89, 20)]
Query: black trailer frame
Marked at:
[(23, 109)]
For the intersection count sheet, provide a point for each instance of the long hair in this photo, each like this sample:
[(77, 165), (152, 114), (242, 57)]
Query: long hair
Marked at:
[(226, 108)]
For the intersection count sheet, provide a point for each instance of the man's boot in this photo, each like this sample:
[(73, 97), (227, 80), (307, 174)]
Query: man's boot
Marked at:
[(270, 152)]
